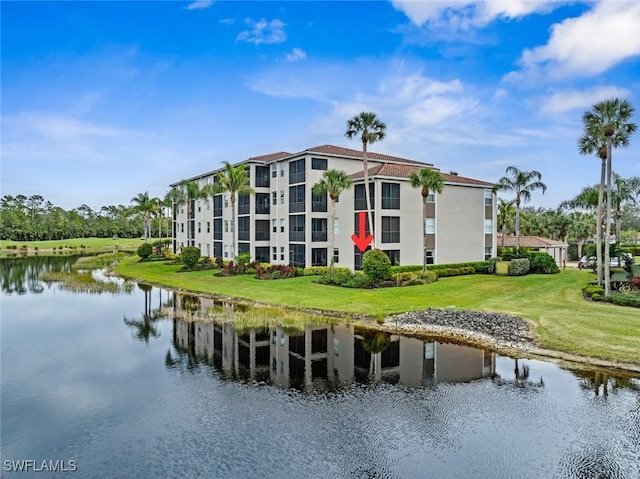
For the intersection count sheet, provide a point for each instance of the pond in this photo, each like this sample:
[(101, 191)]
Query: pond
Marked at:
[(140, 382)]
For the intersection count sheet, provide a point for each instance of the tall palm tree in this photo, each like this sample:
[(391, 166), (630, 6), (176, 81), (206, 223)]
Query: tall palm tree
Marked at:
[(370, 129), (235, 181), (186, 193), (606, 126), (522, 184), (430, 181), (171, 198), (333, 182), (506, 213), (145, 206)]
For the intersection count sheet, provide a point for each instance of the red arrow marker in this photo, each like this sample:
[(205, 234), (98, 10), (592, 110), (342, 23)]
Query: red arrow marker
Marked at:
[(362, 241)]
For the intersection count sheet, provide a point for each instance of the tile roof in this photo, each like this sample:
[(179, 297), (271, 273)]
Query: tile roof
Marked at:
[(348, 152), (270, 157), (530, 241), (391, 170)]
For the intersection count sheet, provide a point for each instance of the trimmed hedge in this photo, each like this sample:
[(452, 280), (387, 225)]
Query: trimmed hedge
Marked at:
[(482, 267), (519, 266), (320, 270), (444, 272), (632, 300)]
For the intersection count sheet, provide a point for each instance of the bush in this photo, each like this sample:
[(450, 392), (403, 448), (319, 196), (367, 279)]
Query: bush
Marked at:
[(519, 267), (441, 273), (596, 297), (631, 299), (144, 250), (244, 259), (376, 265), (402, 277), (492, 265), (190, 256), (275, 271), (591, 289), (543, 263)]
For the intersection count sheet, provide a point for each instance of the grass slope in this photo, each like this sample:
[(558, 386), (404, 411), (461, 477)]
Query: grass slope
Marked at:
[(553, 304)]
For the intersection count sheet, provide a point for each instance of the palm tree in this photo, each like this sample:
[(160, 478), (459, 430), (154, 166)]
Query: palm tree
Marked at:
[(582, 226), (370, 129), (522, 184), (506, 212), (333, 182), (430, 181), (171, 198), (606, 126), (233, 180), (623, 193), (146, 206), (187, 192)]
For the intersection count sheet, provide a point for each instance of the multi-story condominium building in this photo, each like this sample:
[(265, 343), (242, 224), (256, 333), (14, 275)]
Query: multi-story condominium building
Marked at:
[(285, 222)]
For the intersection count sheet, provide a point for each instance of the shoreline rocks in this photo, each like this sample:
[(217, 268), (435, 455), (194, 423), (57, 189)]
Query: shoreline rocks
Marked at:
[(498, 330)]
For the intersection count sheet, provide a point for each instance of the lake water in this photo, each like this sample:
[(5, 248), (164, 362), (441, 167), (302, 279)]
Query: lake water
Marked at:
[(119, 385)]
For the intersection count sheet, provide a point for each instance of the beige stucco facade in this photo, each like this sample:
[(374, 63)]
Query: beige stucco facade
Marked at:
[(282, 224)]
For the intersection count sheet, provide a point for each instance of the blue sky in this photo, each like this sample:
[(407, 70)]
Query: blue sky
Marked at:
[(105, 100)]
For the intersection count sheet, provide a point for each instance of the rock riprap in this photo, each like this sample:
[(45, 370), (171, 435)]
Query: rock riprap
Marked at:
[(497, 329)]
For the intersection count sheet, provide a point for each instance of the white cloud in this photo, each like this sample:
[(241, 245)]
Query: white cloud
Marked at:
[(227, 21), (564, 101), (199, 4), (588, 45), (462, 14), (296, 55), (263, 32)]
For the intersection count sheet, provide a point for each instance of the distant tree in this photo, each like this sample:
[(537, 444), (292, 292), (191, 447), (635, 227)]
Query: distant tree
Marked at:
[(429, 181), (146, 206), (521, 184), (506, 214)]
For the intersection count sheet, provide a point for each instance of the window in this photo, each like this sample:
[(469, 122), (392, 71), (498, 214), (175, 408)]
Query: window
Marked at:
[(244, 248), (226, 226), (262, 176), (281, 253), (431, 198), (360, 200), (488, 226), (274, 225), (208, 205), (394, 256), (262, 203), (296, 199), (318, 164), (217, 249), (226, 201), (391, 229), (296, 171), (262, 230), (281, 225), (244, 204), (429, 225), (244, 227), (262, 254), (319, 230), (296, 255), (181, 227), (336, 226), (199, 207), (296, 227), (488, 252), (199, 227), (274, 170), (217, 205), (336, 255), (430, 256), (274, 197), (208, 227), (226, 251), (274, 253), (488, 198), (217, 229), (208, 249), (281, 169), (356, 223), (282, 197), (318, 256), (390, 196), (319, 202)]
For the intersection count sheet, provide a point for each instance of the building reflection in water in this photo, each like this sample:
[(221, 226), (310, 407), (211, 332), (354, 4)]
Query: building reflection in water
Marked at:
[(326, 357)]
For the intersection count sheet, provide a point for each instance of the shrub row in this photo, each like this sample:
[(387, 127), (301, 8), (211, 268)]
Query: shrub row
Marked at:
[(478, 266), (320, 270), (630, 299), (443, 272)]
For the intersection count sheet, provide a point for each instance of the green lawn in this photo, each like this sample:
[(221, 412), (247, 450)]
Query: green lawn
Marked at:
[(560, 317), (90, 244)]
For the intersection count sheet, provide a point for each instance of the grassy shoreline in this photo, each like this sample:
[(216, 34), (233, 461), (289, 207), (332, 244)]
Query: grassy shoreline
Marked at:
[(552, 304), (73, 245)]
